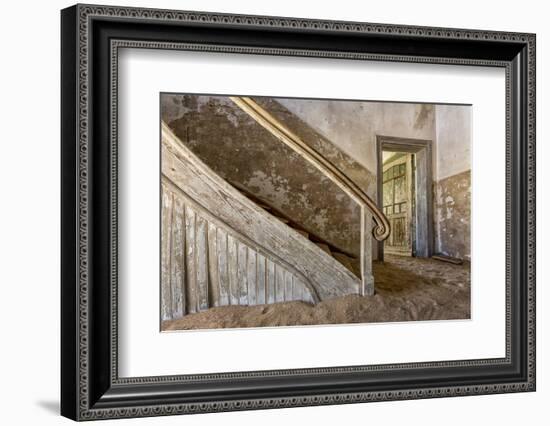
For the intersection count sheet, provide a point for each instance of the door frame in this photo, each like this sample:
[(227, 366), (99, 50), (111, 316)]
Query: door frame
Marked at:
[(422, 148)]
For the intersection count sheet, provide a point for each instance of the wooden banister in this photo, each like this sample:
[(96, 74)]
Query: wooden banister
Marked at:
[(382, 229)]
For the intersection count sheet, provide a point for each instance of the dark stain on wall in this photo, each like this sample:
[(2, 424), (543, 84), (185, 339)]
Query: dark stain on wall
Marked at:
[(424, 115), (241, 151), (452, 215)]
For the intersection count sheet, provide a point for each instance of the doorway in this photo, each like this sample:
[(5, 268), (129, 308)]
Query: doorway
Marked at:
[(398, 201), (405, 195)]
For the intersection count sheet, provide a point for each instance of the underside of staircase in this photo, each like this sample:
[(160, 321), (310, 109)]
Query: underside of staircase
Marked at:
[(348, 260)]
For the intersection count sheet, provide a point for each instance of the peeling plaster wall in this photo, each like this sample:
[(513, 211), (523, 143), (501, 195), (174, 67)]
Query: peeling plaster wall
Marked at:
[(242, 151), (452, 183), (452, 215)]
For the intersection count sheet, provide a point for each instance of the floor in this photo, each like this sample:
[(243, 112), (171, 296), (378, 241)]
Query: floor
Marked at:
[(407, 289)]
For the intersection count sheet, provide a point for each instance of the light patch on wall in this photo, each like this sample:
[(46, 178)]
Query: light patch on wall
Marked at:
[(272, 184)]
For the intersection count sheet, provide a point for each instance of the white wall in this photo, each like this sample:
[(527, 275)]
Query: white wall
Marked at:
[(453, 131), (353, 126), (29, 225)]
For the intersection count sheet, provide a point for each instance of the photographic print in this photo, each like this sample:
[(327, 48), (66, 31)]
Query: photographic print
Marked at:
[(289, 211)]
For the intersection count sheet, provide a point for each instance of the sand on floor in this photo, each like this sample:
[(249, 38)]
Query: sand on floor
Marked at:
[(407, 289)]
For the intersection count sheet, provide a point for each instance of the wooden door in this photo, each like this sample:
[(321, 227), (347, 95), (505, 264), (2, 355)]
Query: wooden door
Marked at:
[(397, 203)]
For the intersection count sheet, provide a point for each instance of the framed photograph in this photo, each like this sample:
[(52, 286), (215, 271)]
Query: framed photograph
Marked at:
[(263, 212)]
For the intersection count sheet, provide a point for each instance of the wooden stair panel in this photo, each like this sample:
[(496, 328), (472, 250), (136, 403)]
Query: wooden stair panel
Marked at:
[(214, 294), (223, 273), (191, 271), (270, 282), (232, 270), (251, 277), (222, 267), (166, 223), (201, 260), (242, 267), (280, 284), (262, 278), (288, 287)]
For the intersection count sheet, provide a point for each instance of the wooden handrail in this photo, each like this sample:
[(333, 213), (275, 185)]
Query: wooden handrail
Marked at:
[(382, 229)]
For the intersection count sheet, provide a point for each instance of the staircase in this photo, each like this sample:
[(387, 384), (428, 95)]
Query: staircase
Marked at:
[(223, 246), (369, 210), (220, 248)]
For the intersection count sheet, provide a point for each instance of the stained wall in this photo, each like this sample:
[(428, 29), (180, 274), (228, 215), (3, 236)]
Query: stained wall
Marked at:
[(452, 186)]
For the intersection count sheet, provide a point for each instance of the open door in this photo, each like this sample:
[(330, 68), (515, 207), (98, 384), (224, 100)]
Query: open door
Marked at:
[(404, 176), (398, 202)]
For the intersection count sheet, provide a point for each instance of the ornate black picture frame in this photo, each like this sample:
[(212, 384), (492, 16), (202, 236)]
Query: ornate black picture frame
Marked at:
[(91, 36)]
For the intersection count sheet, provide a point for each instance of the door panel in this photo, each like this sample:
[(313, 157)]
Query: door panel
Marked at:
[(397, 203)]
